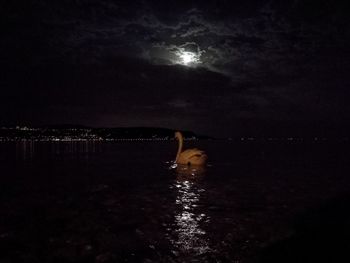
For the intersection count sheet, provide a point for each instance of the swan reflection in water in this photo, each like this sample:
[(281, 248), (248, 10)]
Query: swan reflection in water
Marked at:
[(189, 237)]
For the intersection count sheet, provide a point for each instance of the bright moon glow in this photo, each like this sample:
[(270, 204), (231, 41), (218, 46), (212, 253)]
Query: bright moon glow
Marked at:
[(188, 57)]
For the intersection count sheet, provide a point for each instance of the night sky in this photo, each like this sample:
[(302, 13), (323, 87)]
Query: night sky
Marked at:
[(219, 68)]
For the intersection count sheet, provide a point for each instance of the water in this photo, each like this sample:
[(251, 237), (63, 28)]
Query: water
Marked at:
[(127, 202)]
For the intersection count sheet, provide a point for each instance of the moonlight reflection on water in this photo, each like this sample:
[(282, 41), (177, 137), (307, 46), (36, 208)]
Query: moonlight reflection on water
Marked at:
[(190, 237)]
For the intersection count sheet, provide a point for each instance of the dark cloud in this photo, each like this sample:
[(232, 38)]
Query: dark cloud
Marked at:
[(103, 62)]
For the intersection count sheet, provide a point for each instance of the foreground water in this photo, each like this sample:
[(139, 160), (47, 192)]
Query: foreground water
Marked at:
[(125, 202)]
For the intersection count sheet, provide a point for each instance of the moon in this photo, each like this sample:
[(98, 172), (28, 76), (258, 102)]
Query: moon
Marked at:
[(188, 58)]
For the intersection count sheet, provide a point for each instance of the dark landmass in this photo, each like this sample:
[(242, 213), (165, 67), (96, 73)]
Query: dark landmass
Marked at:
[(79, 132), (70, 132)]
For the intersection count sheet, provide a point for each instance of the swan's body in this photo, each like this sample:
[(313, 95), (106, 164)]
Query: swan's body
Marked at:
[(189, 156)]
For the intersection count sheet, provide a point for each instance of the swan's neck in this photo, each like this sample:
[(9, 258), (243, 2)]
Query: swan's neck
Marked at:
[(179, 150)]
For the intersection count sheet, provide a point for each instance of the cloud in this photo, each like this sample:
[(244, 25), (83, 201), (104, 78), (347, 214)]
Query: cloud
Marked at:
[(228, 36), (250, 51)]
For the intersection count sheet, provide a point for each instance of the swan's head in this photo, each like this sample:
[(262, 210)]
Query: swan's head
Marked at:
[(178, 135)]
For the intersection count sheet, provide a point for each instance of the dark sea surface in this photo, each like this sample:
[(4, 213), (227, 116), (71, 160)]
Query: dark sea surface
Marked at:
[(126, 202)]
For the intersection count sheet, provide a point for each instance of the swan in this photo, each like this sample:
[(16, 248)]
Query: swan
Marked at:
[(189, 156)]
